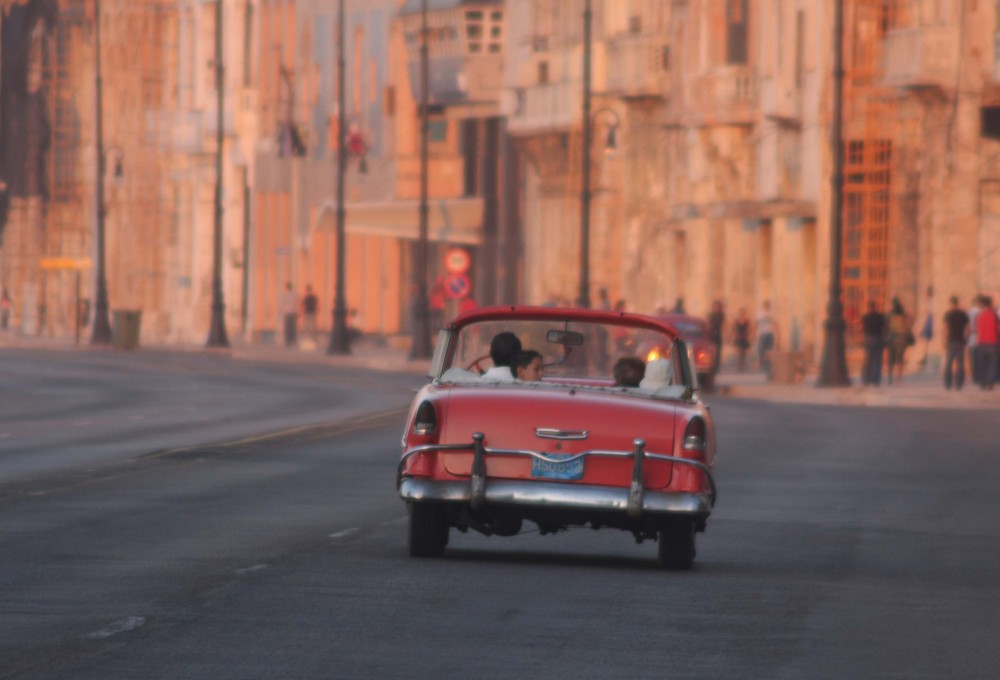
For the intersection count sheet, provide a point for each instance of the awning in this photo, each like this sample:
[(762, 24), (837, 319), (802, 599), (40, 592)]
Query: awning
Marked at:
[(450, 220)]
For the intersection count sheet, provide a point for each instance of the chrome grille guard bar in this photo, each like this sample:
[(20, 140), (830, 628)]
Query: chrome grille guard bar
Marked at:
[(478, 477)]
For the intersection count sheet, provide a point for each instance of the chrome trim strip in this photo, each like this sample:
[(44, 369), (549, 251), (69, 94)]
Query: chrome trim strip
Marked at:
[(557, 496), (564, 435)]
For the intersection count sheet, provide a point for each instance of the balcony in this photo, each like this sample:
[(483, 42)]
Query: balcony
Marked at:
[(726, 95), (545, 108), (921, 58), (638, 66)]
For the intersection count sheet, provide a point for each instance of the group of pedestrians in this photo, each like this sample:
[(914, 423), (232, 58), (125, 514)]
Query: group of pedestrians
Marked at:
[(885, 336), (291, 306), (973, 333), (763, 329)]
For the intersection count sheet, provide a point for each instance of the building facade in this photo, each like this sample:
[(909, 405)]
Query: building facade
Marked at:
[(159, 128), (717, 185)]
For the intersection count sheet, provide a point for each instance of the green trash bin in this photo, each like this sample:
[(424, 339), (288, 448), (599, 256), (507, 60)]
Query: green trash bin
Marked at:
[(125, 331)]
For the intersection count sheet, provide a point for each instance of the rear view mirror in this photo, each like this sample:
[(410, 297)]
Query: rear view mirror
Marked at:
[(565, 338)]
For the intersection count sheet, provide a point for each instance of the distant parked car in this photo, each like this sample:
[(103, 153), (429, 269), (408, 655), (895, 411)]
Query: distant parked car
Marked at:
[(694, 329), (571, 449)]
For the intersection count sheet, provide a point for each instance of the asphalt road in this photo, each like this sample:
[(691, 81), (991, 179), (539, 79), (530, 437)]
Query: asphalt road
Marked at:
[(858, 543)]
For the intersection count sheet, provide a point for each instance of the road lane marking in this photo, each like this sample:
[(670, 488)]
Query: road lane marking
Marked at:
[(339, 428), (345, 533), (252, 568), (120, 626)]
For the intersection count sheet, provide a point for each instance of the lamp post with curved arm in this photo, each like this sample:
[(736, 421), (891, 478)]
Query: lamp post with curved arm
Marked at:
[(833, 365), (340, 339), (101, 334), (217, 336)]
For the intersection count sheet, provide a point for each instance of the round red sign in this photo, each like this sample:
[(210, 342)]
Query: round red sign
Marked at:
[(457, 286), (457, 261)]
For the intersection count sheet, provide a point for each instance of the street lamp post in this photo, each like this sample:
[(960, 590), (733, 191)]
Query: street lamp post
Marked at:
[(340, 340), (421, 348), (217, 330), (833, 367), (101, 334), (583, 297)]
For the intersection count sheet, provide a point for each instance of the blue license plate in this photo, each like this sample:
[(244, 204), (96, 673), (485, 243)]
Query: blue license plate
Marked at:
[(557, 470)]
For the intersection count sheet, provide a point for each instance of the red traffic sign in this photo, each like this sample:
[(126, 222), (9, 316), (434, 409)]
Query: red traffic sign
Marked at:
[(457, 286), (457, 261)]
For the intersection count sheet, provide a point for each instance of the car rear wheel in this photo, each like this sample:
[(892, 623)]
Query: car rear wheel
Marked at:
[(428, 530), (676, 545)]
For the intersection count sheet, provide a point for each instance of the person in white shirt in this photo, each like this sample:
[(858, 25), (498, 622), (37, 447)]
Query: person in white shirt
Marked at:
[(767, 333), (977, 378), (504, 348)]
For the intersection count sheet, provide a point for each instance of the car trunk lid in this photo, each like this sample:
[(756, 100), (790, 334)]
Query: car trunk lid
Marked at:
[(559, 422)]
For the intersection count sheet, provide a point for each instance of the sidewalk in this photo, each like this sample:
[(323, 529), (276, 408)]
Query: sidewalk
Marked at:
[(918, 390), (366, 353), (922, 389)]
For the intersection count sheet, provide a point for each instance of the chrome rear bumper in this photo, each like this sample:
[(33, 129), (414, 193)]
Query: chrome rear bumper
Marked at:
[(556, 496), (478, 491)]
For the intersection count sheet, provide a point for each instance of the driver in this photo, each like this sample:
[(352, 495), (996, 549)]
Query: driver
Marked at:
[(504, 348)]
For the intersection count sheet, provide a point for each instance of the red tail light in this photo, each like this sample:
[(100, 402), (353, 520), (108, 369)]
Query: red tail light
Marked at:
[(694, 435), (425, 422)]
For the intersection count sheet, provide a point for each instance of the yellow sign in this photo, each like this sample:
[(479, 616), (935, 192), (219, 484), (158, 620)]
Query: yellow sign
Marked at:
[(77, 263)]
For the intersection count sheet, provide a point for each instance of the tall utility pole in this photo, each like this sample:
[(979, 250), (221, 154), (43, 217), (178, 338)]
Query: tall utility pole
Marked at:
[(421, 348), (833, 366), (101, 334), (217, 331), (340, 339), (583, 299)]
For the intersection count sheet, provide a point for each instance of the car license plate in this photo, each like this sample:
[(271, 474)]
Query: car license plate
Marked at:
[(572, 469)]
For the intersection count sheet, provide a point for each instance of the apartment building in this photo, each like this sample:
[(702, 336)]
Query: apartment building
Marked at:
[(159, 124), (293, 237)]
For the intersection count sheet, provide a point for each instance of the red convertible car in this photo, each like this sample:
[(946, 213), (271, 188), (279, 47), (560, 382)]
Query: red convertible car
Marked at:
[(485, 451)]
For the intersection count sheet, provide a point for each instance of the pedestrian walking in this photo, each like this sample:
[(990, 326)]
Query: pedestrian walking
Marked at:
[(987, 326), (900, 338), (927, 328), (6, 309), (290, 314), (716, 323), (310, 309), (741, 338), (977, 306), (873, 329), (766, 331), (956, 325)]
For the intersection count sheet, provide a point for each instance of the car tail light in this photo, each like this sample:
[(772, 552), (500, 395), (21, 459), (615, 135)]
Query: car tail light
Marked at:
[(694, 436), (425, 422), (703, 357)]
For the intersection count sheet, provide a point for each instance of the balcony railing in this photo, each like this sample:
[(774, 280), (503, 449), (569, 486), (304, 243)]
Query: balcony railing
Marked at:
[(727, 94), (545, 107), (924, 57), (638, 66)]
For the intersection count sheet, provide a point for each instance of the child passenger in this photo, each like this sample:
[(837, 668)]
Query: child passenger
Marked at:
[(527, 366)]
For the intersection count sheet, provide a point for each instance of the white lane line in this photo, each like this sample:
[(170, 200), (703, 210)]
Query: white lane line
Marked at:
[(345, 533), (252, 568), (120, 626), (392, 522)]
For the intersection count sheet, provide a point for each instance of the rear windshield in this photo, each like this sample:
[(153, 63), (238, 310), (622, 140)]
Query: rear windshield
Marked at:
[(570, 350)]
